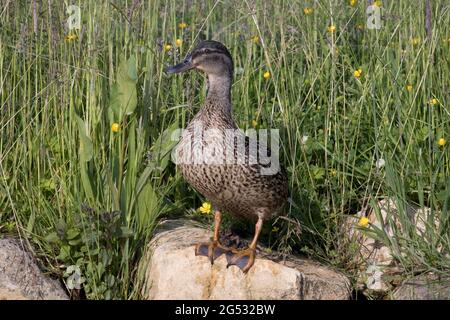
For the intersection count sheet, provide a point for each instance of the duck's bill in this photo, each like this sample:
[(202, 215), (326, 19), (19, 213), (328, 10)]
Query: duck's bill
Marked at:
[(181, 67)]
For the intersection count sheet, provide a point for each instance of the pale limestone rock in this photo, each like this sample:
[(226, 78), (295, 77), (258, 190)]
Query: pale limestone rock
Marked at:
[(374, 258), (20, 277), (172, 271), (424, 287)]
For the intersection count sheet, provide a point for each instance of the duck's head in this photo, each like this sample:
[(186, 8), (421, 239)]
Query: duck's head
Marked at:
[(210, 57)]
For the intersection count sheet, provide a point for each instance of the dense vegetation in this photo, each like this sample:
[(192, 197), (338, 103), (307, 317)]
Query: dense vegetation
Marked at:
[(86, 117)]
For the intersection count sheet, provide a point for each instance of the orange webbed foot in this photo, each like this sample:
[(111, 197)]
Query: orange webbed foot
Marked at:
[(243, 259), (212, 250)]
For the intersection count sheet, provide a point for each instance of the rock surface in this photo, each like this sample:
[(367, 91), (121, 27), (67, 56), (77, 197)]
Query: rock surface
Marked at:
[(374, 258), (424, 287), (172, 271), (20, 277)]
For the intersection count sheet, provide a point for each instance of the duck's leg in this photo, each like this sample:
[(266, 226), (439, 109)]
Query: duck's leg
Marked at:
[(245, 259), (213, 249)]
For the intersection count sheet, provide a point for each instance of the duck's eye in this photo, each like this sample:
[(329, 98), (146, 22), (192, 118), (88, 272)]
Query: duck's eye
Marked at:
[(206, 51)]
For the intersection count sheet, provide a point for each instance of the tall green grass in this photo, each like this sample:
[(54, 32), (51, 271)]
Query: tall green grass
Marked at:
[(98, 209)]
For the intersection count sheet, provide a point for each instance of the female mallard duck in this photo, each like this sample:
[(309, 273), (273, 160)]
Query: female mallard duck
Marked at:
[(240, 186)]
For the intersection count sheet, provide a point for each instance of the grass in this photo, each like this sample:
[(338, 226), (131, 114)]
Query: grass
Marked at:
[(84, 195)]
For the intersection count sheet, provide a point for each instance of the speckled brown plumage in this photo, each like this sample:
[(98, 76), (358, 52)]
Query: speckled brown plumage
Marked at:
[(237, 188)]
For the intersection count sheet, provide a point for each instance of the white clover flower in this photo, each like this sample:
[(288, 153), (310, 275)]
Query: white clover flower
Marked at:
[(304, 140), (380, 163)]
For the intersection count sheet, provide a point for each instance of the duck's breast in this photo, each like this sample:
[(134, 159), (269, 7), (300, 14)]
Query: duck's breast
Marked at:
[(230, 184)]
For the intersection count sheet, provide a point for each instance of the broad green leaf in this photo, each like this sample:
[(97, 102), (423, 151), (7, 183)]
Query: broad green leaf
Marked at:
[(147, 206), (86, 152), (72, 233), (75, 242), (317, 172), (86, 181), (161, 152), (64, 253), (161, 149), (126, 232), (52, 237), (123, 93), (61, 227), (86, 148)]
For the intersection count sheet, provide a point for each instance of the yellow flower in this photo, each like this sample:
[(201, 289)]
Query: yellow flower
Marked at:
[(71, 37), (331, 29), (266, 75), (448, 40), (308, 10), (442, 142), (353, 2), (178, 42), (115, 127), (415, 41), (363, 222), (433, 101), (357, 73), (378, 3), (254, 123), (333, 173), (167, 47), (182, 25), (255, 39), (409, 87), (205, 208), (275, 229), (360, 27)]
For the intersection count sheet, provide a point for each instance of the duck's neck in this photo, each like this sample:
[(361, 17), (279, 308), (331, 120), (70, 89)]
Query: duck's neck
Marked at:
[(218, 97)]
